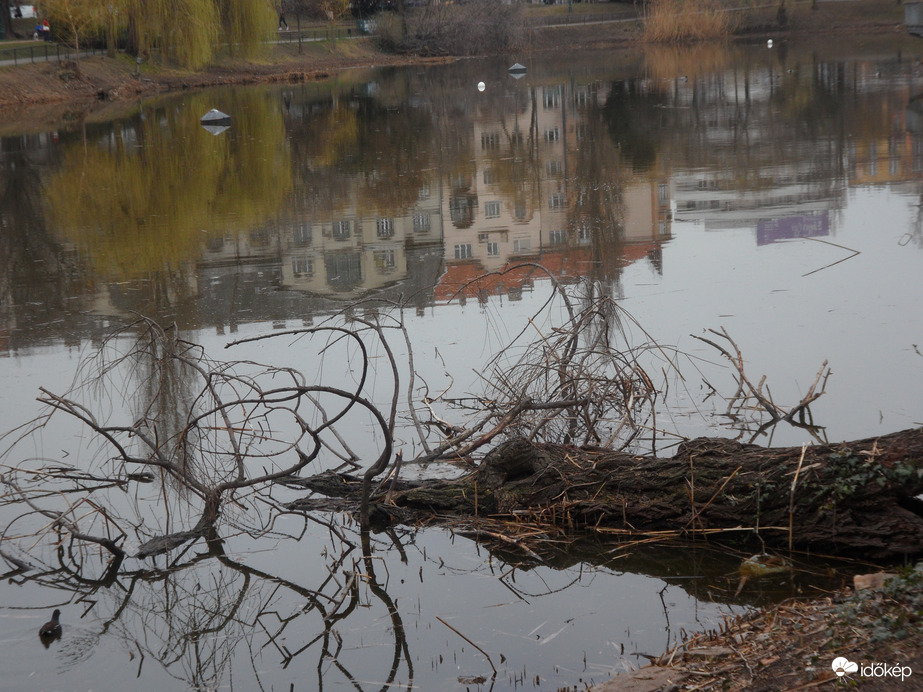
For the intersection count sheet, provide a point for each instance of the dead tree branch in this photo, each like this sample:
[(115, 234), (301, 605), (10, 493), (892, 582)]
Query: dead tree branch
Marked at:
[(749, 396)]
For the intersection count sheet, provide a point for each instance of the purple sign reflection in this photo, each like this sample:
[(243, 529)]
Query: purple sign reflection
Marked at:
[(791, 227)]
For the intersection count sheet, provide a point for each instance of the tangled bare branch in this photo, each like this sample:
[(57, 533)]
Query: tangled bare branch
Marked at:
[(749, 397)]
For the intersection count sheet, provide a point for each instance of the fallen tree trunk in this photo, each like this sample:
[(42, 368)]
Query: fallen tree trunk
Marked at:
[(855, 497)]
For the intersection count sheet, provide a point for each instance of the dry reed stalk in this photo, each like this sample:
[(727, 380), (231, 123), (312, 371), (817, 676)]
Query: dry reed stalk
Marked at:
[(791, 496), (677, 21)]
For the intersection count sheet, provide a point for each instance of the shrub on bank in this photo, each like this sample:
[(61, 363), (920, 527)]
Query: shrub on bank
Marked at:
[(674, 21), (478, 27)]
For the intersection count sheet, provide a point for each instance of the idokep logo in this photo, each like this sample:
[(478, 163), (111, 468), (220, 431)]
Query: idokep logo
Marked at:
[(843, 666)]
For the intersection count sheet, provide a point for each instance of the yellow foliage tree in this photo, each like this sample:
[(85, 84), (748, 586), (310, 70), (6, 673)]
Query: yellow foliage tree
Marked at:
[(247, 25), (188, 32), (184, 32), (77, 21)]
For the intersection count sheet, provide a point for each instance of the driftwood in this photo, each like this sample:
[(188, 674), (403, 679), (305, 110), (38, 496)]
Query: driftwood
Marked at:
[(856, 498)]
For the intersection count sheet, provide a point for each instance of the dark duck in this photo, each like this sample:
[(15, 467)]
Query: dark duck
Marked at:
[(51, 630)]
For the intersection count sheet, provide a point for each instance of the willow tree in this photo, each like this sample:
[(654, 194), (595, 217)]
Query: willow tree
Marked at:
[(78, 21), (188, 32), (247, 25)]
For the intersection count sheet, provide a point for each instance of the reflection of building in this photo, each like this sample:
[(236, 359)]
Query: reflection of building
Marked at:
[(344, 253), (351, 253), (717, 198), (886, 160), (769, 146), (791, 227), (787, 177), (524, 200)]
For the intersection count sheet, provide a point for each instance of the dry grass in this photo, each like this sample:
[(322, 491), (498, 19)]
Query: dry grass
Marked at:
[(790, 646), (677, 21)]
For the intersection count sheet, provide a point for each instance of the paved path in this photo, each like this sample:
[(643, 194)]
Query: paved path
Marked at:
[(42, 52)]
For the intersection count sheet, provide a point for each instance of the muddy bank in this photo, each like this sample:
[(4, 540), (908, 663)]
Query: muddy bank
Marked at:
[(877, 625), (41, 96)]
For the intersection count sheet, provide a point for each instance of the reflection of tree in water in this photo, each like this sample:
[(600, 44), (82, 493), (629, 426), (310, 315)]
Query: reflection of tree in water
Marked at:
[(597, 214), (195, 465), (516, 162), (135, 202), (462, 207), (351, 149), (26, 242), (195, 614), (634, 118)]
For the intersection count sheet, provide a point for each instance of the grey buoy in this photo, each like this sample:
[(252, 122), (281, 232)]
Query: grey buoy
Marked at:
[(215, 117), (215, 121)]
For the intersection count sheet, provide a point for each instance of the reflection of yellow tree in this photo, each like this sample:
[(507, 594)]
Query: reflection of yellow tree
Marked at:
[(671, 62), (137, 210), (387, 153), (338, 130)]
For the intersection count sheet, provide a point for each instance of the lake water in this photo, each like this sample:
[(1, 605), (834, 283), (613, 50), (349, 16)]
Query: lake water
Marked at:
[(771, 192)]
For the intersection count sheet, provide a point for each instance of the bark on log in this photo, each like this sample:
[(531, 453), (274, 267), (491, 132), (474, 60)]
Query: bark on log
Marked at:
[(855, 497)]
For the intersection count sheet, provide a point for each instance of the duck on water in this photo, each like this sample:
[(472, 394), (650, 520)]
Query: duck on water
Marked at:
[(51, 630)]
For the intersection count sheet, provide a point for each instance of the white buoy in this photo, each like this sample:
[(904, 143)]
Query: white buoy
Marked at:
[(769, 43), (481, 86)]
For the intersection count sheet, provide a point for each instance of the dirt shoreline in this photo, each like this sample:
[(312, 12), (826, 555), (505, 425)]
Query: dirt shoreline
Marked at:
[(41, 96), (878, 625)]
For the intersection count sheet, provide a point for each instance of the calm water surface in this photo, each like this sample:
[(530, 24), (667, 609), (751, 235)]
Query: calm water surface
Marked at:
[(772, 193)]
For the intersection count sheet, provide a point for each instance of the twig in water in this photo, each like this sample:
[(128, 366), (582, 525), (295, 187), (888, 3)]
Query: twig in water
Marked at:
[(827, 266), (486, 655)]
